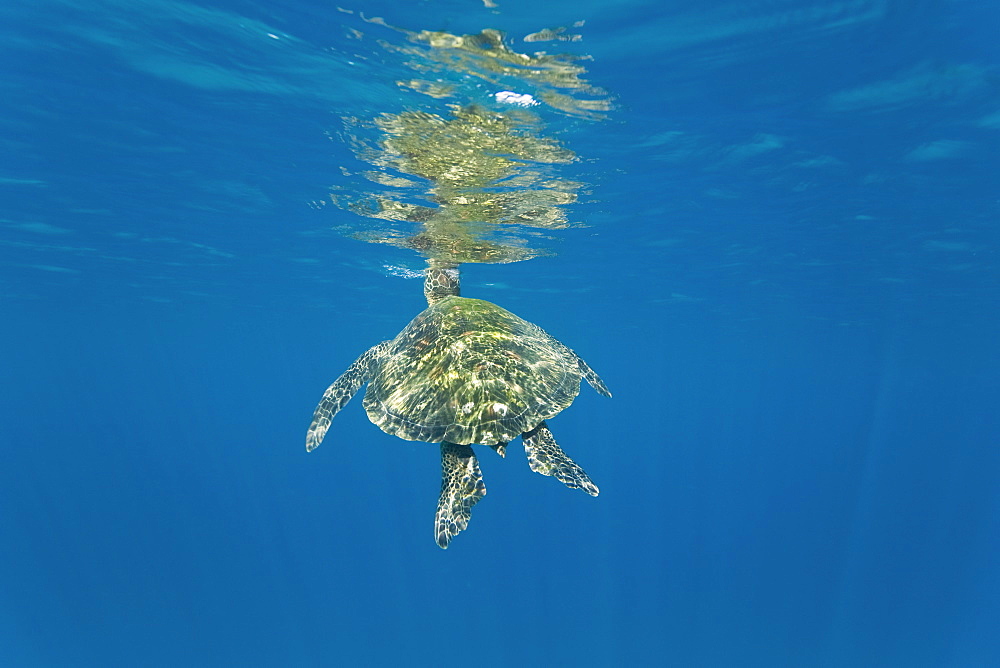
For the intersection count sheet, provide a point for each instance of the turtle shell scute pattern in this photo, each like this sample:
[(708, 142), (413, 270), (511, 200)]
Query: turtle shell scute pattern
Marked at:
[(467, 371)]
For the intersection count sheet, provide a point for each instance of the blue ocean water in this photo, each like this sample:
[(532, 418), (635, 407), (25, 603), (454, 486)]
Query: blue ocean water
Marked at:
[(786, 268)]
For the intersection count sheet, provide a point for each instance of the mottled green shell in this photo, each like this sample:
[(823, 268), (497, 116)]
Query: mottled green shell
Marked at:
[(467, 371)]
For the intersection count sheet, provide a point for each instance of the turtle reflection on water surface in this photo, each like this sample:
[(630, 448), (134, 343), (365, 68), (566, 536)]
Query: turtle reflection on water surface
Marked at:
[(463, 372)]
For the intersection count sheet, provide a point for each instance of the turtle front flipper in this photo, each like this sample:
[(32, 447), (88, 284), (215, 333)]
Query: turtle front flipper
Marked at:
[(592, 377), (546, 457), (461, 488), (589, 374), (341, 391)]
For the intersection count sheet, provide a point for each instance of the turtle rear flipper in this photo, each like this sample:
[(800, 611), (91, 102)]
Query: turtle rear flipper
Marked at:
[(461, 488), (546, 457), (341, 391)]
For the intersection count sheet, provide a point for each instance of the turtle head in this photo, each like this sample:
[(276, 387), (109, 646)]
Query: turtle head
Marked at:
[(440, 281)]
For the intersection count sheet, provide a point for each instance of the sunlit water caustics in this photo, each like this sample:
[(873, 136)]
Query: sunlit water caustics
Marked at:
[(771, 226)]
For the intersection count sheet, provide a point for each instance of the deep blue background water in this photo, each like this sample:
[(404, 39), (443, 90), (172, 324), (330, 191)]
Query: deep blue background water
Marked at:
[(789, 279)]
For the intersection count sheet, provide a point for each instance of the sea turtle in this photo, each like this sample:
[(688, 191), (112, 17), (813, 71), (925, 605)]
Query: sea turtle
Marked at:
[(463, 372)]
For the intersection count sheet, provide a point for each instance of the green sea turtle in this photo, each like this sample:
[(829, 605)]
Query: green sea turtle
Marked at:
[(463, 372)]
